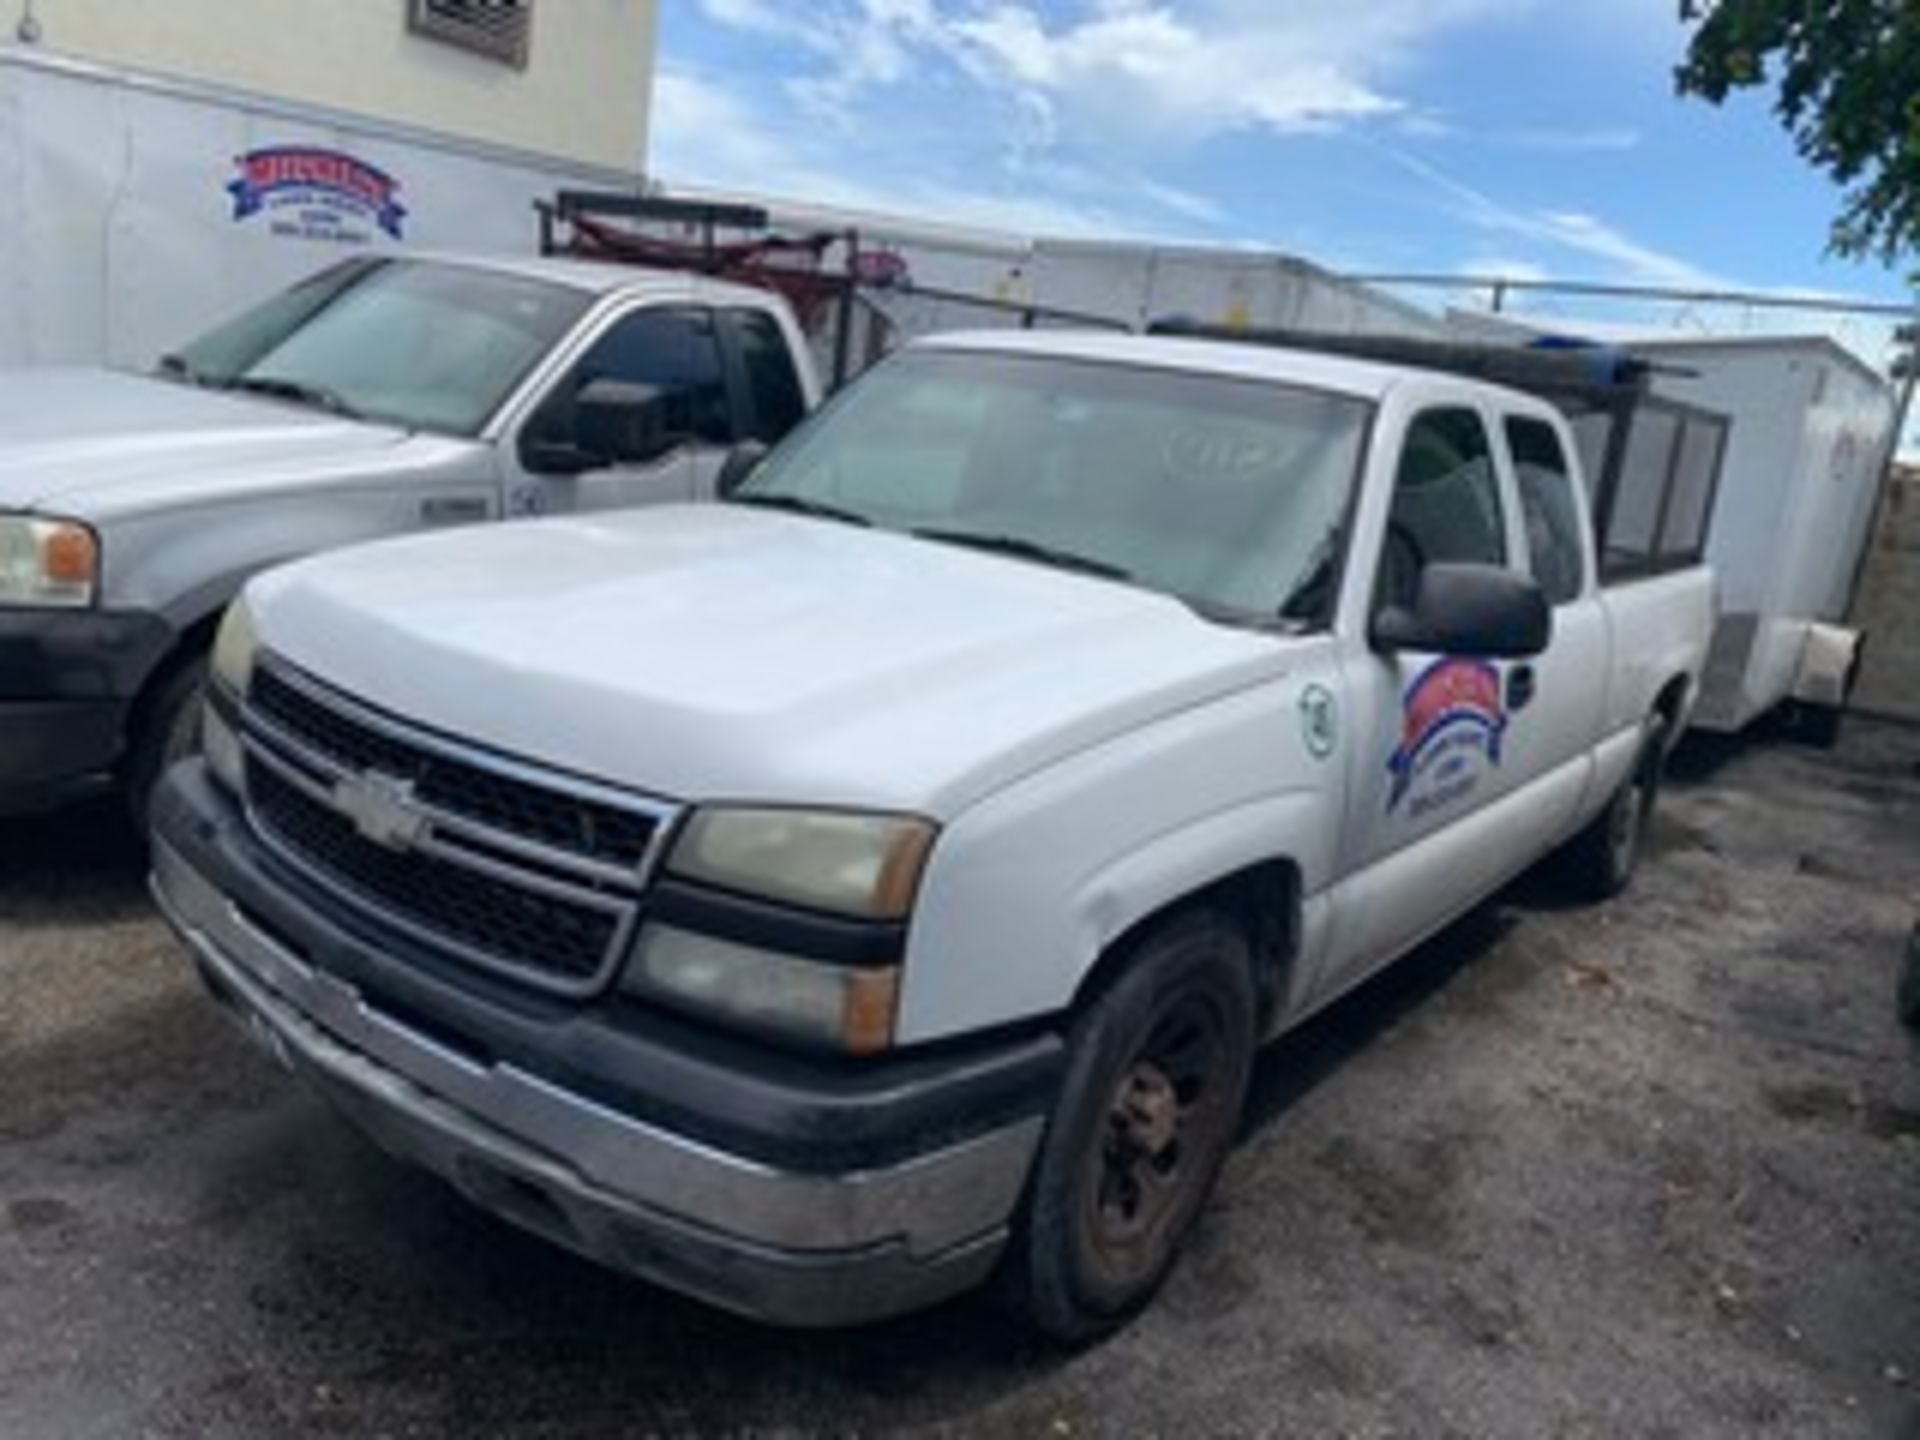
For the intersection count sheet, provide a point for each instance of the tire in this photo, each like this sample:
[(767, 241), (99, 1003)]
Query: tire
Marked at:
[(1156, 1080), (1817, 726), (1599, 862), (168, 731), (1909, 1001)]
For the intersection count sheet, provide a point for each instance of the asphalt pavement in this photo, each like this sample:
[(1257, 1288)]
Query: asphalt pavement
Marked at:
[(1647, 1169)]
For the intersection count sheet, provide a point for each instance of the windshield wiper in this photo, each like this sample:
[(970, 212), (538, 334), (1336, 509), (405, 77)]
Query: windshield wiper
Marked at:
[(317, 397), (798, 505), (1315, 590), (1023, 549), (178, 367)]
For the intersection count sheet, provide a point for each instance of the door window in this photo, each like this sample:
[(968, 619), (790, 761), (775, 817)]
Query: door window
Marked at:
[(673, 347), (1446, 503), (1547, 507), (772, 382)]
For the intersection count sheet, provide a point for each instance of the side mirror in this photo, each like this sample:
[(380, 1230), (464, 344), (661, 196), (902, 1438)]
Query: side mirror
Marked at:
[(618, 423), (614, 423), (1480, 611), (742, 460)]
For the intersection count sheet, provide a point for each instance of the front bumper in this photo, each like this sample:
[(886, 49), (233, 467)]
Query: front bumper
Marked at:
[(789, 1242), (67, 683)]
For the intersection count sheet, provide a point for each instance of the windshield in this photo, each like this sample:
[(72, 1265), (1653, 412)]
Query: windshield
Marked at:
[(427, 346), (1228, 494)]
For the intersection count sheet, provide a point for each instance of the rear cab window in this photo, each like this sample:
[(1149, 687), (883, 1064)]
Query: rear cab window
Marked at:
[(1548, 511), (775, 400)]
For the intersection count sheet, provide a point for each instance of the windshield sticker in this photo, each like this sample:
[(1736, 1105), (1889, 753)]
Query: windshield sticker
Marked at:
[(1319, 721), (313, 194), (1452, 716)]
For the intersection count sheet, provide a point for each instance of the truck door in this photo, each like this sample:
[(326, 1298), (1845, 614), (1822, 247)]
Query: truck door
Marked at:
[(1433, 770), (1550, 739), (674, 347)]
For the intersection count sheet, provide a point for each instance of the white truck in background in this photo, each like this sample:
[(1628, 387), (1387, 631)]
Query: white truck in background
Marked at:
[(819, 901), (383, 395)]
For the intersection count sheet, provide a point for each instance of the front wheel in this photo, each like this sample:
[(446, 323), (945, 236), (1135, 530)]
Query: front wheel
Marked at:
[(1156, 1079), (169, 731)]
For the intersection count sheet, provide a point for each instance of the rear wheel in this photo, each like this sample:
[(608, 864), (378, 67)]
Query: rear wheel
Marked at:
[(168, 731), (1815, 725), (1156, 1080), (1600, 861)]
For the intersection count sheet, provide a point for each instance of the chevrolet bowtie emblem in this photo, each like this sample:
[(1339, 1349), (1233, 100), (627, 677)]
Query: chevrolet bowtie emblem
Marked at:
[(382, 809)]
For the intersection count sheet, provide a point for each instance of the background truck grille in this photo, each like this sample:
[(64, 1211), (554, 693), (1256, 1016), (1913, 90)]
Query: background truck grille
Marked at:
[(535, 812), (536, 877)]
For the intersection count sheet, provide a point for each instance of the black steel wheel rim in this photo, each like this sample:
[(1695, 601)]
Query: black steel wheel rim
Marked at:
[(1167, 1118)]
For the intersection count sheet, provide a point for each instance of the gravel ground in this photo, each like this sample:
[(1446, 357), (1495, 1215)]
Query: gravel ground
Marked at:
[(1652, 1169)]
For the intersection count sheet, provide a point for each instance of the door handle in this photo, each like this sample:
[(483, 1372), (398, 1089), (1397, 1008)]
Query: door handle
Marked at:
[(1520, 685), (453, 509)]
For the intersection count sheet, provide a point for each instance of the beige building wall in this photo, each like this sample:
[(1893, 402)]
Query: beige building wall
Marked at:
[(1888, 608), (584, 93)]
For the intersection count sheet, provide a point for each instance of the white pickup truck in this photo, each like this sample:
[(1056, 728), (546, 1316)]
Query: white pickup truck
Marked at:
[(380, 396), (821, 901)]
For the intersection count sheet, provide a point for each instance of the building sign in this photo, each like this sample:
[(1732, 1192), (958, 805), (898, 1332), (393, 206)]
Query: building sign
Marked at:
[(314, 194)]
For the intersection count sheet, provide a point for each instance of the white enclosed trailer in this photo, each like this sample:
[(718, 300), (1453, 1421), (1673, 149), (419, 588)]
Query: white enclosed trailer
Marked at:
[(1806, 451), (1131, 284), (1139, 284), (135, 211), (914, 278), (1807, 440)]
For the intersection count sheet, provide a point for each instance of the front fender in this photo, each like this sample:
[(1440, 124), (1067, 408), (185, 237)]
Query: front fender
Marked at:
[(1028, 889)]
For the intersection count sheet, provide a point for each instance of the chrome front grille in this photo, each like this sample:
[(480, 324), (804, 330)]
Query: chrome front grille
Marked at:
[(491, 792), (501, 864)]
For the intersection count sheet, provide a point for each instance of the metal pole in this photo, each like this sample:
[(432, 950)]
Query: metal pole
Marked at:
[(843, 309)]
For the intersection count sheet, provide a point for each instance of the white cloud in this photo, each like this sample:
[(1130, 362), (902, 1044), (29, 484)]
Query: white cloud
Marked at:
[(1569, 230), (1148, 68), (1132, 69), (1598, 137), (707, 137), (764, 17)]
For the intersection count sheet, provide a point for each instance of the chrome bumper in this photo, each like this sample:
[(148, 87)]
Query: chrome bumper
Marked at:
[(798, 1249)]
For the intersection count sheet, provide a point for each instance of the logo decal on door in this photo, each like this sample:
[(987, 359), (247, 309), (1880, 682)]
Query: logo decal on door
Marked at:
[(1451, 714)]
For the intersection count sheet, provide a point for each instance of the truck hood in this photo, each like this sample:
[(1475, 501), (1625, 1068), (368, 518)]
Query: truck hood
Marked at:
[(72, 440), (716, 653)]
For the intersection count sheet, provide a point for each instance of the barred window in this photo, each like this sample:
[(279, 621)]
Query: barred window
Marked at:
[(497, 28)]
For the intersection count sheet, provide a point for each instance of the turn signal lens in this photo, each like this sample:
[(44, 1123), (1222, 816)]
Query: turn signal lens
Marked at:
[(44, 562), (70, 556)]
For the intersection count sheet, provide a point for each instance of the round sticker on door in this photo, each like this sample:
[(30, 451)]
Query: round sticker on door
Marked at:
[(1319, 721)]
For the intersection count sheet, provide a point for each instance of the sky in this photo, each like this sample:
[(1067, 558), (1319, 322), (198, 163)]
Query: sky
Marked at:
[(1531, 138)]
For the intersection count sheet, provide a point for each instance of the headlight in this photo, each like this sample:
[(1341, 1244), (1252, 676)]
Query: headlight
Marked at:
[(841, 1007), (48, 562), (862, 865), (234, 648)]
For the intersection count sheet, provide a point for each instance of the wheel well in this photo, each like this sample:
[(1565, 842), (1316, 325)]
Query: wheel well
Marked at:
[(191, 644), (1263, 899), (1671, 701)]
